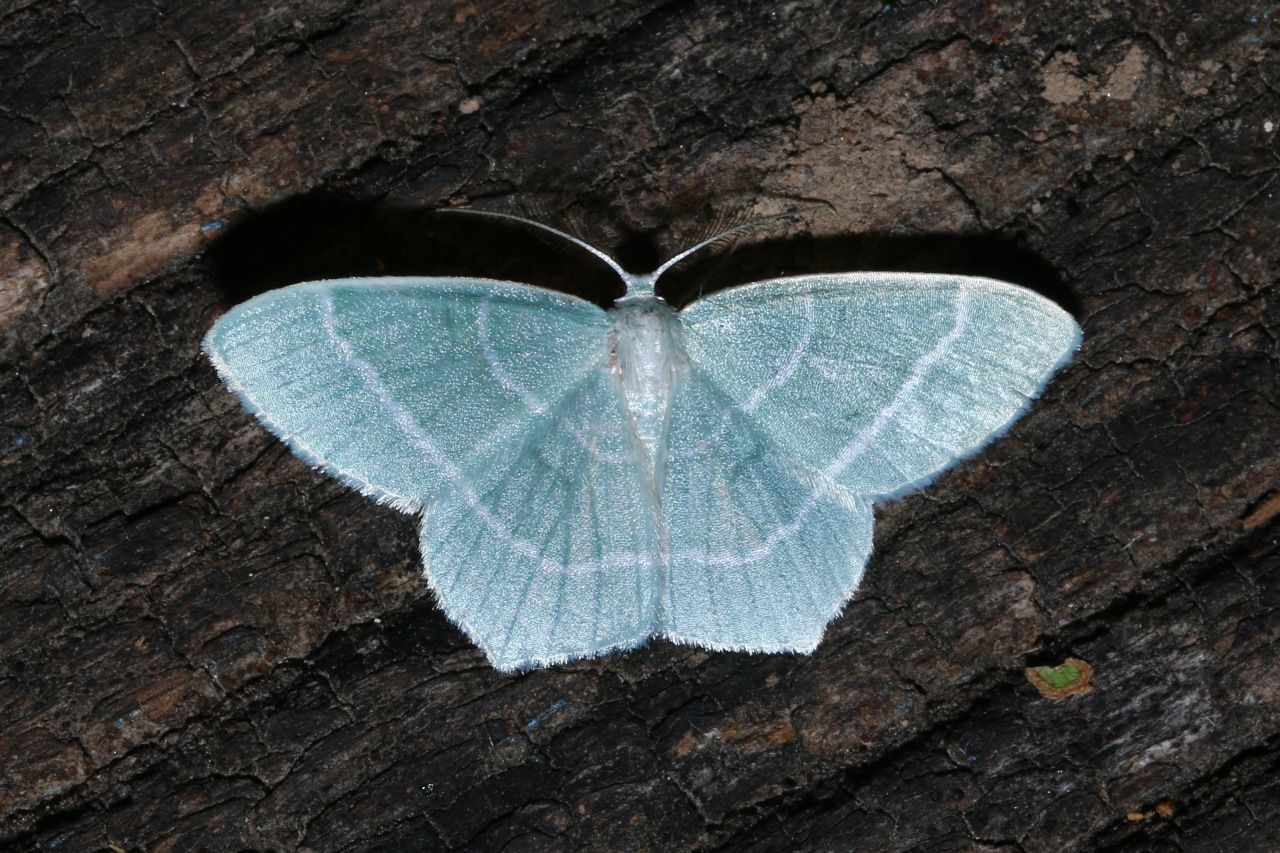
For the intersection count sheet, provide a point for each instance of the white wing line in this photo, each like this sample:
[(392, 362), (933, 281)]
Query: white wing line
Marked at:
[(757, 396), (793, 361), (847, 454), (424, 442), (531, 401), (862, 440), (764, 549)]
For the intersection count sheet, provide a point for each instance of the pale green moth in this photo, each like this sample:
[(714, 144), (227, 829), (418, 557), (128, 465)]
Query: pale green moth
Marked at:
[(589, 479)]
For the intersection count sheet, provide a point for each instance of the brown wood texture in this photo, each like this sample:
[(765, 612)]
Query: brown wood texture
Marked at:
[(204, 644)]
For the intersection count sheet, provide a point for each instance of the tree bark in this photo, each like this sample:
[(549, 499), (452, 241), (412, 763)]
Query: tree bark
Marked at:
[(205, 644)]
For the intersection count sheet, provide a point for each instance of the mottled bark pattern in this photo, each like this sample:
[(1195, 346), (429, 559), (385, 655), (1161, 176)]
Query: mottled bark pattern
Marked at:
[(204, 644)]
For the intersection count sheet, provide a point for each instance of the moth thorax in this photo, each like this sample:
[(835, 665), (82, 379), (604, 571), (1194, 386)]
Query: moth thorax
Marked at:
[(646, 358)]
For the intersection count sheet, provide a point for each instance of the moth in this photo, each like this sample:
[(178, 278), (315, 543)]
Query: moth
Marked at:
[(589, 478)]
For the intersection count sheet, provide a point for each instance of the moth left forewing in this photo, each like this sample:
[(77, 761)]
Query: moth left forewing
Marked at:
[(399, 385)]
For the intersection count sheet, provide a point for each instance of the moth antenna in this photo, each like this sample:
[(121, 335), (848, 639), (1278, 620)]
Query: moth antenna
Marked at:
[(730, 235), (724, 221), (533, 223)]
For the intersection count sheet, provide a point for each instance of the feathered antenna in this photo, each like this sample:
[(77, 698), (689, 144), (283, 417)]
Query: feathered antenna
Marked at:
[(729, 236), (533, 223), (738, 222)]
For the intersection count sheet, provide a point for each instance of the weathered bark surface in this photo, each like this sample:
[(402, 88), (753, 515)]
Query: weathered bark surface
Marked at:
[(204, 644)]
